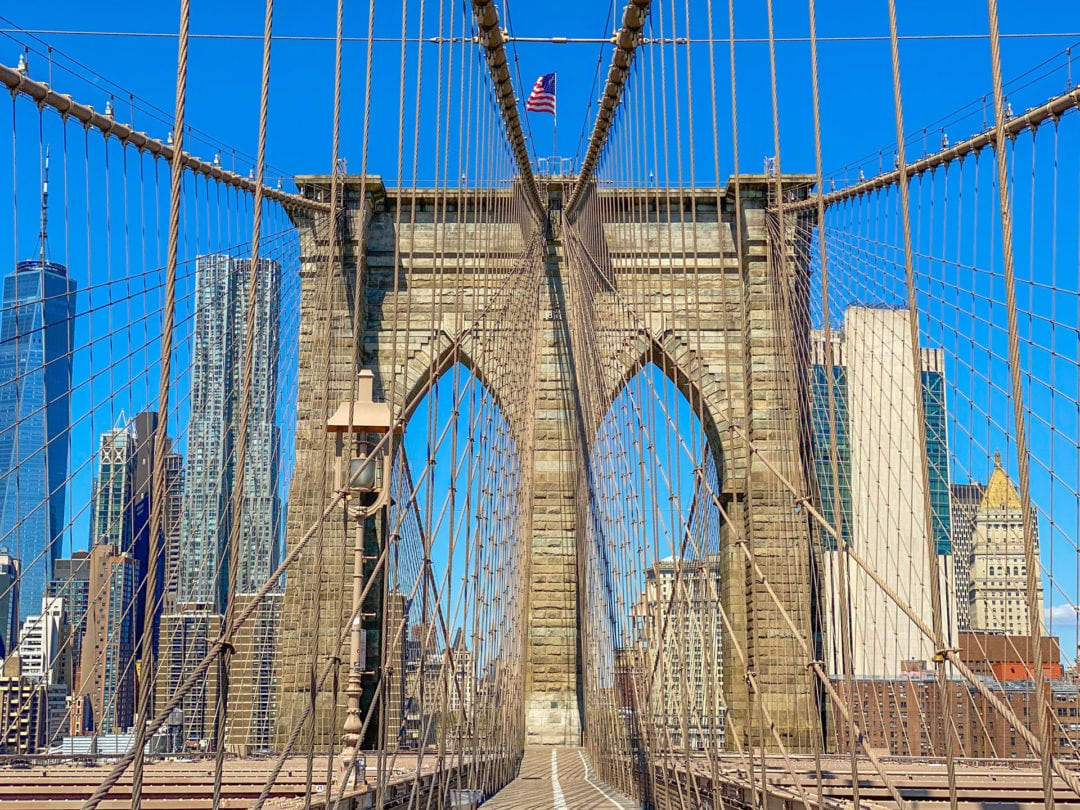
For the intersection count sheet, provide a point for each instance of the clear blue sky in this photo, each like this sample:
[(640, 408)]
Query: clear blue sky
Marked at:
[(940, 76)]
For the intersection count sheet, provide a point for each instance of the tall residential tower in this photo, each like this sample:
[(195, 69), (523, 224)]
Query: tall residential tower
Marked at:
[(221, 309), (208, 514)]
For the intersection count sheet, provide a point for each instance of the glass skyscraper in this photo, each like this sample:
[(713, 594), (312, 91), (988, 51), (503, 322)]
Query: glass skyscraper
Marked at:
[(829, 486), (221, 303), (113, 509), (37, 330), (937, 456)]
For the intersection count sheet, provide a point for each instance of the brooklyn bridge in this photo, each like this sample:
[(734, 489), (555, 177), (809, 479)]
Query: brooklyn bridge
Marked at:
[(439, 469)]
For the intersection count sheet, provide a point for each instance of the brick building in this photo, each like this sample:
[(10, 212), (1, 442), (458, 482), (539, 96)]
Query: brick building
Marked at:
[(904, 716)]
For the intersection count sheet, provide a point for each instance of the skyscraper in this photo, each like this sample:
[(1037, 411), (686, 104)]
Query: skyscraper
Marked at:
[(9, 602), (144, 426), (113, 514), (965, 503), (186, 637), (142, 472), (37, 329), (41, 647), (71, 582), (170, 553), (107, 668), (221, 310), (998, 570), (37, 339), (881, 489), (449, 690), (681, 635)]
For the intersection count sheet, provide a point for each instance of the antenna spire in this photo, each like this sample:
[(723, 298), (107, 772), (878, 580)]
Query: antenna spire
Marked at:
[(43, 236)]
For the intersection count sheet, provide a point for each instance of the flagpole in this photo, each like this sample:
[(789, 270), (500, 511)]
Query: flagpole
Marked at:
[(555, 120)]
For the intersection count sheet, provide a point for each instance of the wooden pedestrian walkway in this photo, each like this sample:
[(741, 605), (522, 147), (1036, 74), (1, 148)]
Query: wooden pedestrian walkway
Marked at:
[(558, 778)]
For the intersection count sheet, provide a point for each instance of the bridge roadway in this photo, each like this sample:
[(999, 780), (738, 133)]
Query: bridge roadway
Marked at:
[(550, 778), (557, 778), (554, 778), (922, 784), (49, 783)]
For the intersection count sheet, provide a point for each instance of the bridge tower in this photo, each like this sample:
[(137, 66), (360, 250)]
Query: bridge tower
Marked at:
[(411, 318)]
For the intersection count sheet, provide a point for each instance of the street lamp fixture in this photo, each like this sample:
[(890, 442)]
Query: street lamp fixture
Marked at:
[(360, 428)]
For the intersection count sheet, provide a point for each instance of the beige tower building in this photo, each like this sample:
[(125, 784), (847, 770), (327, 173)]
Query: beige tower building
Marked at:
[(882, 488), (105, 694), (998, 598)]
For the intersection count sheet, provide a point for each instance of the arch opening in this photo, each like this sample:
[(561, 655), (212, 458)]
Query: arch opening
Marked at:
[(455, 572), (653, 575)]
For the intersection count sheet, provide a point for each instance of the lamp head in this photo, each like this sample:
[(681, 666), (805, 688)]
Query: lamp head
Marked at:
[(365, 474), (363, 415)]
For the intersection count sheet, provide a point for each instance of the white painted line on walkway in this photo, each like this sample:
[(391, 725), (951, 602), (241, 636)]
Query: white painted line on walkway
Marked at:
[(556, 791), (599, 789)]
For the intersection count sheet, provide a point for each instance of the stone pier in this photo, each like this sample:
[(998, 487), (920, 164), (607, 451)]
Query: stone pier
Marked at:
[(725, 340)]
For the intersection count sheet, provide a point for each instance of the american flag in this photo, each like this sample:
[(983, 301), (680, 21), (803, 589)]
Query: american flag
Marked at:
[(542, 97)]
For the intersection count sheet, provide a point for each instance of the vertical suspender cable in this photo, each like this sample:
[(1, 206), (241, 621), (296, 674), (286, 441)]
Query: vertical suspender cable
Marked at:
[(738, 221), (834, 457), (920, 411), (157, 506), (334, 235), (240, 467), (168, 314), (1031, 557)]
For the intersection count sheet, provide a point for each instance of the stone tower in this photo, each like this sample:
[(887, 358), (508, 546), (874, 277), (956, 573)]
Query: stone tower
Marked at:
[(739, 366)]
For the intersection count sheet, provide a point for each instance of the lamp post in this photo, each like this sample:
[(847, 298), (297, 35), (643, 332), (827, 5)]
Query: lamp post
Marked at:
[(359, 427)]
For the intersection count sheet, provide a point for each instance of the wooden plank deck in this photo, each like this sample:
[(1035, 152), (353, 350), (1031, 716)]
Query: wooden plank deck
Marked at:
[(557, 778)]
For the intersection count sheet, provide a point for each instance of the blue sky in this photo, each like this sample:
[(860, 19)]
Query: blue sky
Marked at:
[(940, 77)]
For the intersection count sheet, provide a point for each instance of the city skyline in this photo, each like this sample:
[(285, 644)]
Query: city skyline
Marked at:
[(209, 462), (99, 591), (115, 486)]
